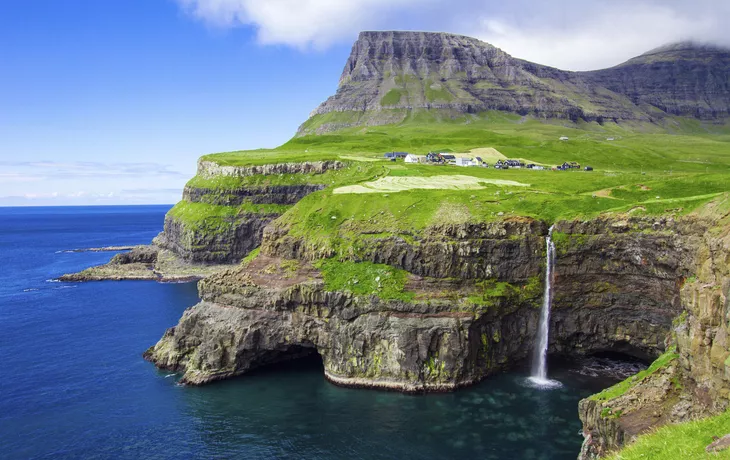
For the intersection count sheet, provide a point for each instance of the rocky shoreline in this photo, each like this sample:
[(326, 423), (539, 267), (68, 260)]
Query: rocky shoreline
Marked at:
[(622, 284), (144, 263)]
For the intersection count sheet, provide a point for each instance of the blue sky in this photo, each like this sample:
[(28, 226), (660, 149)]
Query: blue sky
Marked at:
[(112, 102)]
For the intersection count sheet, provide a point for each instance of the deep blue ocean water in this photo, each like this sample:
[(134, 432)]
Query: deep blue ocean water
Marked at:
[(74, 384)]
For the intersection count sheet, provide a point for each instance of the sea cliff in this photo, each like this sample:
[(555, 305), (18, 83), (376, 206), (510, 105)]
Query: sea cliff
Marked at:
[(427, 277)]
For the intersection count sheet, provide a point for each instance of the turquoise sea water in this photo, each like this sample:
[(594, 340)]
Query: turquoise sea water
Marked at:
[(74, 384)]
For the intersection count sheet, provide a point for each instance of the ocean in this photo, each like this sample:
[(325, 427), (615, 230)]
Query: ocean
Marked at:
[(75, 385)]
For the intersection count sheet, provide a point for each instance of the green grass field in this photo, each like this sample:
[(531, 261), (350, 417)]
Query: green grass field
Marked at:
[(686, 441), (647, 169)]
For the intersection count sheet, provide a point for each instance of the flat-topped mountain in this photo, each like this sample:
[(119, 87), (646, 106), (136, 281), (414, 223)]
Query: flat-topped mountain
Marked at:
[(391, 73)]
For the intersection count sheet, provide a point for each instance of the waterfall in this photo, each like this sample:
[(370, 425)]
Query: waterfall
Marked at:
[(539, 362)]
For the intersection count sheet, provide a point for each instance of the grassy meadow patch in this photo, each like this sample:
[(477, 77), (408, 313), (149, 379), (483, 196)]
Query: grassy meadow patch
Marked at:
[(365, 278), (622, 387), (685, 441), (639, 168)]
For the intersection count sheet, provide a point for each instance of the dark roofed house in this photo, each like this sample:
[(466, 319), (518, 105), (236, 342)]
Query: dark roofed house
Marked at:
[(448, 157), (394, 155)]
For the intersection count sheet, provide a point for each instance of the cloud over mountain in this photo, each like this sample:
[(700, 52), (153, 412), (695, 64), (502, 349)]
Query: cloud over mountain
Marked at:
[(571, 34)]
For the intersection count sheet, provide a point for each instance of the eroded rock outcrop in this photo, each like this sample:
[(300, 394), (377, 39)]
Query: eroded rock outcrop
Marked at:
[(261, 314), (391, 73), (145, 263), (214, 169), (693, 379), (505, 250), (225, 241), (221, 225), (443, 338)]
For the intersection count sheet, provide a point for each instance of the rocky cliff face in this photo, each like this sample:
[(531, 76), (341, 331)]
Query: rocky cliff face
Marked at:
[(362, 342), (438, 341), (693, 379), (452, 333), (512, 247), (618, 282), (389, 74), (218, 225), (231, 241), (684, 79)]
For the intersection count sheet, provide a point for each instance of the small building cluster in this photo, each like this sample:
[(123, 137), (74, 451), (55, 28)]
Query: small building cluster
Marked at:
[(435, 158), (392, 156)]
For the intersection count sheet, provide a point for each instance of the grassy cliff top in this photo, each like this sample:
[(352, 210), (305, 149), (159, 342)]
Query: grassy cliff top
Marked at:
[(639, 169), (684, 144)]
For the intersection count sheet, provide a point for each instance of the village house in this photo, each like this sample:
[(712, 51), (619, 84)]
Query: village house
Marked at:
[(433, 157), (411, 158), (451, 159), (396, 155), (463, 162)]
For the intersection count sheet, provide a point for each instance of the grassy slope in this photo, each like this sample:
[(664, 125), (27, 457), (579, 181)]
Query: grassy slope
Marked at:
[(686, 441), (647, 169), (365, 279), (624, 386)]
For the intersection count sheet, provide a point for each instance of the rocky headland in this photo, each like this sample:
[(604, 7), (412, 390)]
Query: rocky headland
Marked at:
[(436, 292)]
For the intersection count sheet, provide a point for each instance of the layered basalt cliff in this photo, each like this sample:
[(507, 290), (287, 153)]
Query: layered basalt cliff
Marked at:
[(625, 276), (687, 79), (448, 333), (219, 222), (390, 73), (507, 250), (691, 380)]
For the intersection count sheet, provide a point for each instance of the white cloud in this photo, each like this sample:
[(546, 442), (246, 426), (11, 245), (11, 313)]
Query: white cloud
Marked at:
[(27, 171), (572, 34), (297, 22), (26, 183), (599, 34), (82, 198), (18, 177)]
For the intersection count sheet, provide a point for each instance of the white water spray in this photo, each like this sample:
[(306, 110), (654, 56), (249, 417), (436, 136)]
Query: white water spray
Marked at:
[(539, 363)]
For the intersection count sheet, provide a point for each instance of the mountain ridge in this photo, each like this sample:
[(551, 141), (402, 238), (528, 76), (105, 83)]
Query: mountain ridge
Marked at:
[(390, 73)]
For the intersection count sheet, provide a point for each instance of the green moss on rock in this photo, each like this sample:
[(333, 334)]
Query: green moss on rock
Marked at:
[(622, 387), (365, 278)]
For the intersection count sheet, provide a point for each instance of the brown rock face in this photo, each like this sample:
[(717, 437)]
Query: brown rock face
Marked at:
[(261, 314), (242, 231), (204, 247), (507, 250), (439, 341), (696, 382), (719, 444), (618, 283), (390, 73)]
